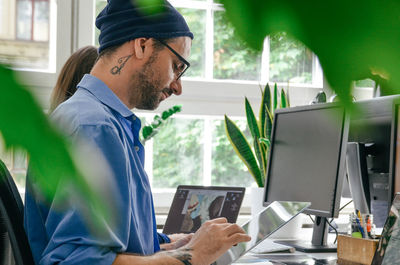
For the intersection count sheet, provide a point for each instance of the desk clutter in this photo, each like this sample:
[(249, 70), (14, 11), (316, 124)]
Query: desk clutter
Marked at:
[(361, 225)]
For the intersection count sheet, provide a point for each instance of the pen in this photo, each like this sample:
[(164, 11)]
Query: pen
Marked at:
[(359, 216), (360, 227)]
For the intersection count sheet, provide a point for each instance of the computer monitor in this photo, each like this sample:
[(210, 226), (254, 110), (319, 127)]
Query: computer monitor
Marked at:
[(395, 151), (307, 163), (372, 128)]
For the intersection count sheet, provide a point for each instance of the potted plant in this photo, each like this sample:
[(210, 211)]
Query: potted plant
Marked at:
[(254, 153)]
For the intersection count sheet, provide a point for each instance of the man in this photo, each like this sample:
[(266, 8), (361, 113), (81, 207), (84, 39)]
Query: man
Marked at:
[(141, 61)]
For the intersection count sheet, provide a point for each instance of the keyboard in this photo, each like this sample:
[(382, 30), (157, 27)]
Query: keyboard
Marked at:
[(269, 246)]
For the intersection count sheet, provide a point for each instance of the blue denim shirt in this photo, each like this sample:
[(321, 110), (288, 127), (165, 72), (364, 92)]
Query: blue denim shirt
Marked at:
[(62, 237)]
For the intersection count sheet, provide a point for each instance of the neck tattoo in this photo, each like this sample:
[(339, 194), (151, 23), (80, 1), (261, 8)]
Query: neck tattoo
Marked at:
[(121, 63)]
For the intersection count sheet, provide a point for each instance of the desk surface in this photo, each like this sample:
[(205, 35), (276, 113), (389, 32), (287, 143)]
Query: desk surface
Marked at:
[(289, 258), (292, 258)]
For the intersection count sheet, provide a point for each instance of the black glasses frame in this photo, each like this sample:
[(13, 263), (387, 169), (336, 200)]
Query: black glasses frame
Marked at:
[(177, 55)]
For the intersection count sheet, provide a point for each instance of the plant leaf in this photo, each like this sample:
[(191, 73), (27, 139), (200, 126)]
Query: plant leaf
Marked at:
[(268, 124), (265, 104), (150, 7), (362, 44), (251, 120), (275, 99), (255, 132), (243, 149), (284, 103), (24, 125), (266, 142)]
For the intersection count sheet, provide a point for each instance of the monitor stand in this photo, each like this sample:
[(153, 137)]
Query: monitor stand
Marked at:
[(319, 239)]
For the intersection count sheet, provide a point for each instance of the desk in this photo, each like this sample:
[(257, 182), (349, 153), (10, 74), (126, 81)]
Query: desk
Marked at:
[(293, 258), (289, 259)]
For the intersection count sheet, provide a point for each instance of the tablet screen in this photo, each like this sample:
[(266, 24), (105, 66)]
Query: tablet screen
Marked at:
[(262, 225)]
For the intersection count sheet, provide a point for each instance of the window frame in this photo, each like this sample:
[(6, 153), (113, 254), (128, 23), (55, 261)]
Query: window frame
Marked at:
[(32, 26)]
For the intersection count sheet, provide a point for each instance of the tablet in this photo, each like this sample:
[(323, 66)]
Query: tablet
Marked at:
[(262, 225)]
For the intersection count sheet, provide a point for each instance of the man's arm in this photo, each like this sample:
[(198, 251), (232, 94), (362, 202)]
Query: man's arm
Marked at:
[(212, 240), (177, 241)]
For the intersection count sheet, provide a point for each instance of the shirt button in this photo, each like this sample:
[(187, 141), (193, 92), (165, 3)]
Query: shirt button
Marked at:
[(133, 118), (136, 148)]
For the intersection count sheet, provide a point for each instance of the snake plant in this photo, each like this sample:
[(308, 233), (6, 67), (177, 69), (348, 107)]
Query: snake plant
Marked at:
[(255, 154)]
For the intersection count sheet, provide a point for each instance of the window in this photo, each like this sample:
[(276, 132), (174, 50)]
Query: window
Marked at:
[(25, 33), (37, 37), (16, 162), (194, 150), (32, 20), (217, 54)]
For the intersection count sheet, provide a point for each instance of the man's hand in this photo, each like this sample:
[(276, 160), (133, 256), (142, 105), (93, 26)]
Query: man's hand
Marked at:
[(213, 239), (177, 241)]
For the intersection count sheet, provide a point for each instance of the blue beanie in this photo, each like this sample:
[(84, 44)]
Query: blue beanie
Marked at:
[(120, 21)]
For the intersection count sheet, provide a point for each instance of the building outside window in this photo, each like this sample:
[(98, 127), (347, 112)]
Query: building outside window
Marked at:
[(25, 33)]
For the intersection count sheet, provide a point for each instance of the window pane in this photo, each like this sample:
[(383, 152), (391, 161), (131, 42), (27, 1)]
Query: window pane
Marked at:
[(196, 20), (100, 4), (41, 21), (5, 155), (18, 170), (290, 60), (227, 168), (365, 83), (24, 19), (232, 58), (178, 153), (25, 43)]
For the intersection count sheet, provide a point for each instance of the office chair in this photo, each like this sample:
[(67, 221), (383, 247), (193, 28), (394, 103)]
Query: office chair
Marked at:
[(14, 245)]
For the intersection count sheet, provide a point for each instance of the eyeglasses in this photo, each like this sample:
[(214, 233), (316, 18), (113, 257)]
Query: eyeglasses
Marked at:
[(185, 63)]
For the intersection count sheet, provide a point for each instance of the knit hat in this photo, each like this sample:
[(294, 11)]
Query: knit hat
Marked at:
[(122, 20)]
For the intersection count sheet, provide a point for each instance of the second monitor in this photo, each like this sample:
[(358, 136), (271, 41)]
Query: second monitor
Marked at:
[(307, 163)]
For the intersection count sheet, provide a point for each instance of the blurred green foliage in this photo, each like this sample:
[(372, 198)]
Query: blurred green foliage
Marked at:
[(353, 40), (24, 125), (196, 20), (289, 60), (178, 153), (232, 57)]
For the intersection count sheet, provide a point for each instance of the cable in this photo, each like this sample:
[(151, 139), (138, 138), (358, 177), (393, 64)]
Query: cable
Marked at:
[(345, 205), (329, 223), (309, 215), (336, 232)]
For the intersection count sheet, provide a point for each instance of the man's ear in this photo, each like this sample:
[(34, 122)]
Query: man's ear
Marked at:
[(141, 47)]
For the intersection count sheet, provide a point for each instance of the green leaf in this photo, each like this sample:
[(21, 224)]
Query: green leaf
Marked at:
[(275, 106), (150, 7), (243, 149), (284, 103), (265, 104), (252, 121), (147, 131), (353, 40), (268, 124), (24, 125), (266, 142), (260, 155), (255, 132)]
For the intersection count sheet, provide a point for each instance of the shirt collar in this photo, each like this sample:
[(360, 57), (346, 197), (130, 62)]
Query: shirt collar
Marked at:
[(103, 93)]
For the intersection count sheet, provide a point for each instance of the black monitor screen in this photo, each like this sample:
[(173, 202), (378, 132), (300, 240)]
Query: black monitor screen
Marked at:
[(307, 157)]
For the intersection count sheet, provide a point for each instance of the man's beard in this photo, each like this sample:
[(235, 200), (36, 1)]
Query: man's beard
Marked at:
[(147, 87)]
